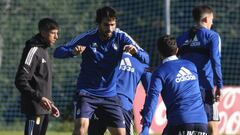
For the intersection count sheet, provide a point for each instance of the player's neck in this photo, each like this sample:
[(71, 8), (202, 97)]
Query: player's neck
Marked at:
[(203, 25)]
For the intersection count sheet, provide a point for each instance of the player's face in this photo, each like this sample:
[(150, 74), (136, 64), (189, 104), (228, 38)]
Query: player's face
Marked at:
[(51, 36), (107, 27), (209, 20)]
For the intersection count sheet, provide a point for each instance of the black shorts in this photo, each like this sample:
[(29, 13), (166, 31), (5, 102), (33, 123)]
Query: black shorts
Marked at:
[(98, 126), (86, 105), (186, 129)]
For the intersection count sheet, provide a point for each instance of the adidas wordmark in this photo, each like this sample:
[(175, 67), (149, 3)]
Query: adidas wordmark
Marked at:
[(184, 75)]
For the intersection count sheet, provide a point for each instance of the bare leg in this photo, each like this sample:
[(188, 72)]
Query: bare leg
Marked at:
[(213, 127), (81, 126), (117, 131)]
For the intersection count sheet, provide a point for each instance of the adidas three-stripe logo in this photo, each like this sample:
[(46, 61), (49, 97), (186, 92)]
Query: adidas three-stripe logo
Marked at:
[(30, 55), (184, 75), (126, 65)]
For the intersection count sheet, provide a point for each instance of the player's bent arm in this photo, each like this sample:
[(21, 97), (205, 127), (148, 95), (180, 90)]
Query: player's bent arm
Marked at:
[(138, 53), (215, 57), (24, 75), (151, 100), (69, 49), (146, 79), (142, 56), (63, 52)]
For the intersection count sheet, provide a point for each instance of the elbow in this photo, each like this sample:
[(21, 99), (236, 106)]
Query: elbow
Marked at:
[(16, 82), (147, 61)]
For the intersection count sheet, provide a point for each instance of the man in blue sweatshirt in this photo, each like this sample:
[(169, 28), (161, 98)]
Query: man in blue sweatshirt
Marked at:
[(130, 72), (202, 46), (101, 50), (177, 82)]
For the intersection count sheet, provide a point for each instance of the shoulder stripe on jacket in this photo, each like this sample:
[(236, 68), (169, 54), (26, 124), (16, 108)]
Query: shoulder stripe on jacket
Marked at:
[(77, 38), (220, 44), (30, 55), (134, 42)]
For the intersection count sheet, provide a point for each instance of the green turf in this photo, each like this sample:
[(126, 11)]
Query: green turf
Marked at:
[(21, 133)]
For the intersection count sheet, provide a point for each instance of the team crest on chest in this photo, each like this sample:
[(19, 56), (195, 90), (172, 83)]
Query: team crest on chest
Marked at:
[(94, 46)]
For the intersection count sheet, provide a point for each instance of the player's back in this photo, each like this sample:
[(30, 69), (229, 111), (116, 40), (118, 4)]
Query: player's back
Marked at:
[(181, 92), (129, 74), (202, 48)]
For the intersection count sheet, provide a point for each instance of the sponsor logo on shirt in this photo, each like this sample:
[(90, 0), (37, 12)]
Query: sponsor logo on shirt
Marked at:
[(43, 60), (191, 133), (126, 65), (193, 43), (184, 75)]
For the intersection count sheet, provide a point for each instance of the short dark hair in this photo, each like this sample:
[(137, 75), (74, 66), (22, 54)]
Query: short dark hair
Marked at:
[(199, 11), (167, 45), (47, 24), (105, 12)]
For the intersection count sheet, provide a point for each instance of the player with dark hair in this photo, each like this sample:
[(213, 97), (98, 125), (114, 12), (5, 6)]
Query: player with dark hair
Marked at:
[(130, 72), (101, 50), (177, 81), (202, 46), (34, 79)]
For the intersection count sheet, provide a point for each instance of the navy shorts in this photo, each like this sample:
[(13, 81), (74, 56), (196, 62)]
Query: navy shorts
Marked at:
[(186, 129), (210, 105), (98, 127), (85, 106)]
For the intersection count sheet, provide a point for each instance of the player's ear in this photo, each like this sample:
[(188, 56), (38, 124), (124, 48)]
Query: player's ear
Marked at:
[(205, 19), (43, 33)]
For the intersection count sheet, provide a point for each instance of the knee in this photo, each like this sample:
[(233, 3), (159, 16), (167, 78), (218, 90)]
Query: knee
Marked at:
[(213, 128), (80, 127), (79, 131), (117, 131)]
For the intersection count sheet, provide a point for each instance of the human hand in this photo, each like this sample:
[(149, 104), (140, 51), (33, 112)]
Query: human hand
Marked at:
[(46, 103), (218, 95), (79, 49), (55, 112), (131, 49)]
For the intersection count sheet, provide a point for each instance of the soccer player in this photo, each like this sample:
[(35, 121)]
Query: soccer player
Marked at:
[(130, 72), (177, 81), (202, 46), (34, 79), (101, 50)]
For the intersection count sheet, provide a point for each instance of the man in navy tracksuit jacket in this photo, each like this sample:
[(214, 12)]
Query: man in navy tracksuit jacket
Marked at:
[(177, 82), (202, 46), (101, 50), (130, 72)]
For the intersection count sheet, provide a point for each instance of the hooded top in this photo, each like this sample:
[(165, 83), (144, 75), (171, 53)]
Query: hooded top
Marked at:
[(34, 75)]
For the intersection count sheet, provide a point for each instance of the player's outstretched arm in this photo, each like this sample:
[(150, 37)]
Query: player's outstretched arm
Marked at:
[(137, 52)]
